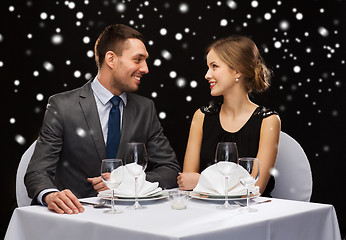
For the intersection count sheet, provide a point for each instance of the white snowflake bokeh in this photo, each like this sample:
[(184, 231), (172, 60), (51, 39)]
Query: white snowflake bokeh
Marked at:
[(47, 47), (55, 46)]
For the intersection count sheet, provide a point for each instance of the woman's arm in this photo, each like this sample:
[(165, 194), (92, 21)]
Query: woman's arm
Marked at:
[(190, 176), (268, 148)]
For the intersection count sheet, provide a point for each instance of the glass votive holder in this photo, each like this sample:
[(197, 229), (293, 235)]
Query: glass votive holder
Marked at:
[(178, 199)]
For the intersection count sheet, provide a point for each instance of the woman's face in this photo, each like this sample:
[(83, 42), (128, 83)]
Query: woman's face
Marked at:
[(219, 75)]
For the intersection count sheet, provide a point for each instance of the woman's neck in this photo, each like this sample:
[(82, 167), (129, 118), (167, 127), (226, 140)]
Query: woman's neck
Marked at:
[(236, 104)]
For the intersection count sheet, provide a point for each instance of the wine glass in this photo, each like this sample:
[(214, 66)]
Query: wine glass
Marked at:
[(226, 158), (136, 162), (251, 165), (112, 172)]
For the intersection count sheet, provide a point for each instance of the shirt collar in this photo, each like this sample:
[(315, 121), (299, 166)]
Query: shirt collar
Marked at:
[(103, 94)]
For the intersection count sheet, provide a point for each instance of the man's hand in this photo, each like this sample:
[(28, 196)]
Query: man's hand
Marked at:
[(63, 202), (188, 180), (97, 184)]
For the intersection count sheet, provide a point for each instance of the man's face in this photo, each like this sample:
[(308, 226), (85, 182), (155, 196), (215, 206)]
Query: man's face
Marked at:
[(130, 66)]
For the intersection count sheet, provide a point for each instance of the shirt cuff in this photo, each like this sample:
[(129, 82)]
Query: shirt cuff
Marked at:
[(43, 192)]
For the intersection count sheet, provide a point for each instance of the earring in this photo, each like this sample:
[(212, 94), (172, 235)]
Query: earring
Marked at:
[(237, 80)]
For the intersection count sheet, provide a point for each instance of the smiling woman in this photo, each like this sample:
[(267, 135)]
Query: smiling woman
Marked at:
[(235, 68), (241, 54)]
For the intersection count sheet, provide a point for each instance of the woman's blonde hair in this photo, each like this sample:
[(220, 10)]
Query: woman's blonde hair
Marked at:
[(241, 54)]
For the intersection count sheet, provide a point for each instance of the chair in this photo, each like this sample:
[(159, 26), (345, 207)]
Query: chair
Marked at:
[(21, 193), (293, 178)]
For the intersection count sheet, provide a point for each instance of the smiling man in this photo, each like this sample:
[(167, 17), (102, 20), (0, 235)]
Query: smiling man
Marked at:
[(83, 126)]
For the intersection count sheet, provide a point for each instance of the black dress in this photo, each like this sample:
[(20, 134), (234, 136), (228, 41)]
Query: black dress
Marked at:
[(247, 138)]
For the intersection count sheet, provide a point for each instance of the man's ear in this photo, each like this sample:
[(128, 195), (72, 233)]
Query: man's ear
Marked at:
[(110, 59)]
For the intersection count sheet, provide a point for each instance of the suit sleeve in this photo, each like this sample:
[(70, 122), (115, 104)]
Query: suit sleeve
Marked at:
[(163, 165), (41, 169)]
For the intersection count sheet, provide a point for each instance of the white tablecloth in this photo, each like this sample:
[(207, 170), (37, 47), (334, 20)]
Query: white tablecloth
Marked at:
[(277, 220)]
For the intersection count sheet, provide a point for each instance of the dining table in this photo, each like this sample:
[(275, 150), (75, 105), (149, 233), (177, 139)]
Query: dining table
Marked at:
[(276, 219)]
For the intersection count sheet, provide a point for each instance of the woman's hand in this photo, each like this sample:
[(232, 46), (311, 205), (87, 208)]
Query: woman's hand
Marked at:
[(188, 180)]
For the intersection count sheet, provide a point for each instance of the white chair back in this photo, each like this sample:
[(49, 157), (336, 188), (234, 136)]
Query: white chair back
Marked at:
[(21, 193), (293, 179)]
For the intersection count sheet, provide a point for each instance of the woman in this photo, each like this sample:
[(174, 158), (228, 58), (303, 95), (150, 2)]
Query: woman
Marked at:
[(235, 68)]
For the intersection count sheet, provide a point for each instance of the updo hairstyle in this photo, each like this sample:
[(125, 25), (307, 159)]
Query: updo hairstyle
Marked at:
[(241, 54)]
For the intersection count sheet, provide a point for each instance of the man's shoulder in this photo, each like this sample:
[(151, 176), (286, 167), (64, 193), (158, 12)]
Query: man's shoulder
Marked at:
[(135, 98), (65, 94), (80, 91)]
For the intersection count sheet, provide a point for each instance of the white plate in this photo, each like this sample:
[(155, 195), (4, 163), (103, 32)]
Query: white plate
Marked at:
[(153, 193), (156, 196), (107, 193), (210, 197)]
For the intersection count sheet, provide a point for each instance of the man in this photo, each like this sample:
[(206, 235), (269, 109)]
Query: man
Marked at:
[(75, 133)]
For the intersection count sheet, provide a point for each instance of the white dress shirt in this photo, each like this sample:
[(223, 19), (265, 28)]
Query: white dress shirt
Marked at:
[(102, 98)]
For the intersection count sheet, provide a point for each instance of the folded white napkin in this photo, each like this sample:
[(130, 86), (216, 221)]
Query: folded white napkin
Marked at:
[(212, 182), (127, 186)]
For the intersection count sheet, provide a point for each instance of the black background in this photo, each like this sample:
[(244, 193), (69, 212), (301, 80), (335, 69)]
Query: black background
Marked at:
[(308, 35)]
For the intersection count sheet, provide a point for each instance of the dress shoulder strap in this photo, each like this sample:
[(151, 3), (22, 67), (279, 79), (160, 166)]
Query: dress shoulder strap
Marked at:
[(264, 112), (211, 108)]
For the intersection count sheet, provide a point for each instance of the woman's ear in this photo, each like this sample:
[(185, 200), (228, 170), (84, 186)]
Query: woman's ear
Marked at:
[(237, 74)]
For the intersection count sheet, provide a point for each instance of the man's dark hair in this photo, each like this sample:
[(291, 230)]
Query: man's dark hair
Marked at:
[(113, 38)]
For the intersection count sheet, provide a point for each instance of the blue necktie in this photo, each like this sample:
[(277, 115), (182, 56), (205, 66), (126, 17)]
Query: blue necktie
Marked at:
[(113, 136)]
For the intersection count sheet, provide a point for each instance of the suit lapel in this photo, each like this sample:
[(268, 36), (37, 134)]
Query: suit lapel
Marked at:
[(128, 114), (88, 105)]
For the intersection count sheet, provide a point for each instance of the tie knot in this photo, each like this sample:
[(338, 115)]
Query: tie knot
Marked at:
[(115, 100)]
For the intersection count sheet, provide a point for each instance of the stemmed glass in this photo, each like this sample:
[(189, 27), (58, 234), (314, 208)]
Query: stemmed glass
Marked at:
[(251, 165), (226, 158), (136, 162), (112, 172)]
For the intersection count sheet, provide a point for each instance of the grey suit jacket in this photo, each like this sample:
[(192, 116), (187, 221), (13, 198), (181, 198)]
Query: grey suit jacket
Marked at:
[(71, 146)]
